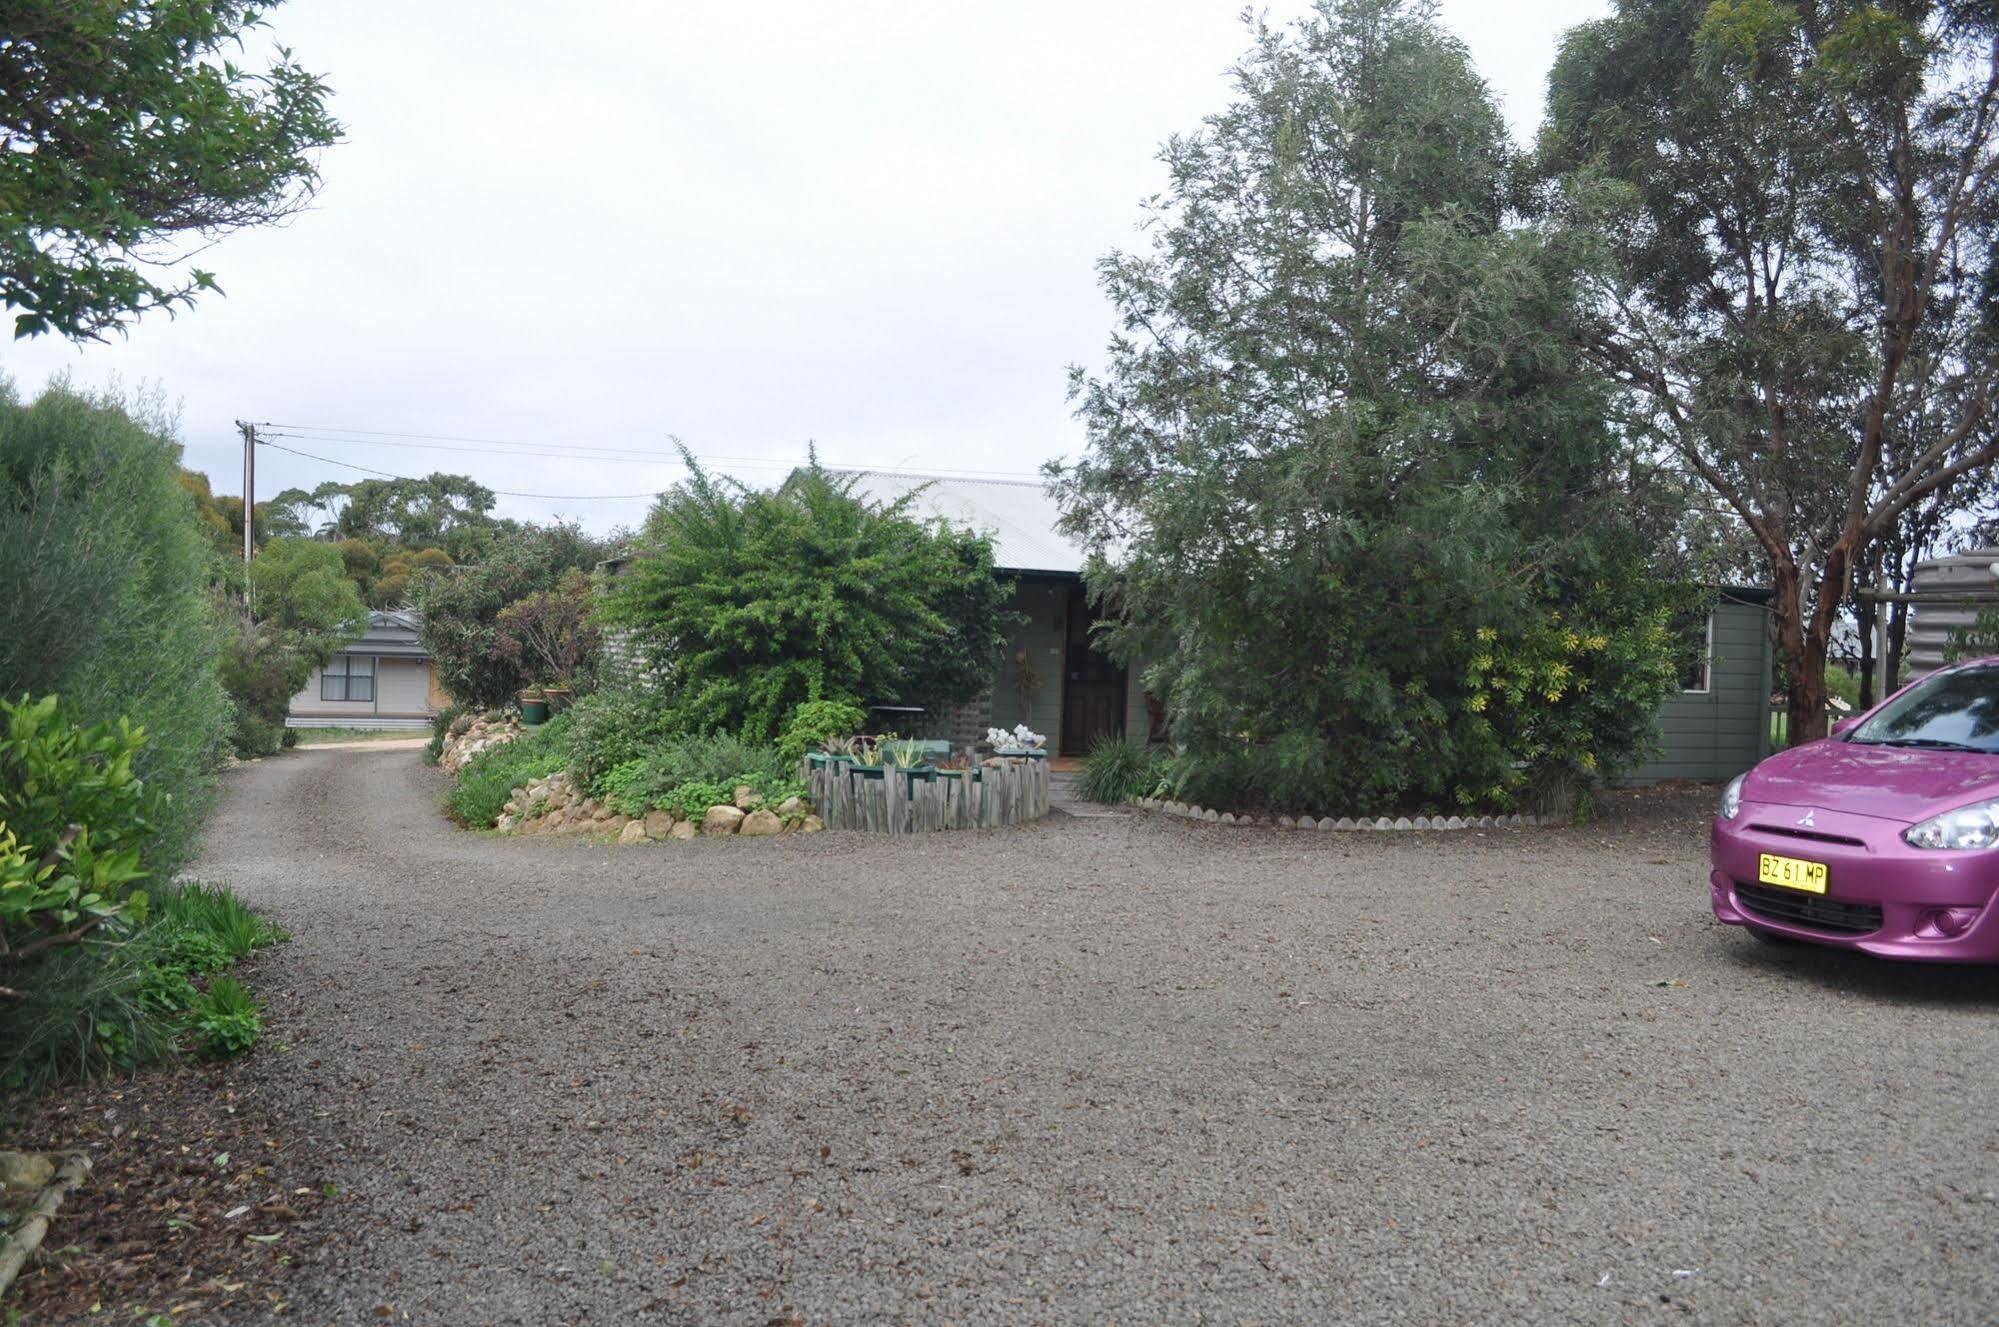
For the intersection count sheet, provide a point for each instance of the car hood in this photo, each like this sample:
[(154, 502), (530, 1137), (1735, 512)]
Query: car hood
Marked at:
[(1896, 783)]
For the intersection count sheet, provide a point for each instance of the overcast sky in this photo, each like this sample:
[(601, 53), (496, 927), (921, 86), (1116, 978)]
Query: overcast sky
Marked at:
[(872, 225)]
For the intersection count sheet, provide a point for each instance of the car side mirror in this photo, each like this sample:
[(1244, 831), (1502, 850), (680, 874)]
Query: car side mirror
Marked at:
[(1841, 727)]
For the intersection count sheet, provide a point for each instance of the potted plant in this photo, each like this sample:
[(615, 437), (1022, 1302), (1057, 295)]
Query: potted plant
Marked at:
[(1023, 743), (906, 756), (534, 707), (559, 695)]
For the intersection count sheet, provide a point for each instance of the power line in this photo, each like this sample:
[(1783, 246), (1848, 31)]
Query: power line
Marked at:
[(497, 492), (572, 451)]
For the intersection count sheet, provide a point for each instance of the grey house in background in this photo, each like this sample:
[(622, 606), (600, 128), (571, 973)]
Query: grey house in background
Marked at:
[(384, 681), (1052, 680)]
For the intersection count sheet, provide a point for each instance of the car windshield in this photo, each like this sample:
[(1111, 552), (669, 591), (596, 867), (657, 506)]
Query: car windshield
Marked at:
[(1953, 711)]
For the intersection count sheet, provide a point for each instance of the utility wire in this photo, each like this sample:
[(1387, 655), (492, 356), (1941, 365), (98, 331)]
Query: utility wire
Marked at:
[(497, 492), (567, 451)]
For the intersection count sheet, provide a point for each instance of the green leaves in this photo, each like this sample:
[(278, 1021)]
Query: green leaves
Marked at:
[(128, 131), (748, 603)]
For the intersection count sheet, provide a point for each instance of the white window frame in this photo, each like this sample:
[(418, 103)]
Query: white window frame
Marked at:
[(1707, 663), (347, 675)]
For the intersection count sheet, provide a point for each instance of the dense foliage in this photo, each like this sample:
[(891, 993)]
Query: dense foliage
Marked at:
[(548, 635), (815, 722), (1798, 203), (74, 819), (104, 593), (461, 609), (303, 610), (745, 602), (713, 760), (131, 131), (1347, 462)]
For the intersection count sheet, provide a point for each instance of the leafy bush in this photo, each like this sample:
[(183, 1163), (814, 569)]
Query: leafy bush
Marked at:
[(690, 800), (548, 635), (611, 728), (817, 720), (1118, 770), (104, 592), (746, 603), (461, 611), (216, 914), (484, 785), (306, 610), (227, 1019), (74, 821)]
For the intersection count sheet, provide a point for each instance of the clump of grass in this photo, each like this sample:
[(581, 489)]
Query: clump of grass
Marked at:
[(1117, 770), (117, 1004)]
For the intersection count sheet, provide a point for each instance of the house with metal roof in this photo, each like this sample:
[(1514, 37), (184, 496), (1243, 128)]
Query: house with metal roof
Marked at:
[(1051, 678), (383, 680)]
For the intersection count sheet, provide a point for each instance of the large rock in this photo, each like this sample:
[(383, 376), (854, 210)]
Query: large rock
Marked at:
[(811, 825), (683, 829), (634, 832), (746, 798), (721, 820), (761, 824), (793, 806), (658, 824), (21, 1171)]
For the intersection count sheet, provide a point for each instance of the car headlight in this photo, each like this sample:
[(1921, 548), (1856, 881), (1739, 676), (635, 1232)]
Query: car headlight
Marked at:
[(1731, 798), (1964, 830)]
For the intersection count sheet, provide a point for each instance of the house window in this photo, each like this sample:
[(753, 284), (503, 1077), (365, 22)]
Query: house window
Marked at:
[(1696, 653), (348, 677)]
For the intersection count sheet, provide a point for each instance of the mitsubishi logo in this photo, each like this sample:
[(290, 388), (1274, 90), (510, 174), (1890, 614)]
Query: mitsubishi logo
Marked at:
[(1805, 821)]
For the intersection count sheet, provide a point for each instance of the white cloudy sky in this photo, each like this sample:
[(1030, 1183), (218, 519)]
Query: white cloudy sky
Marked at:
[(869, 223)]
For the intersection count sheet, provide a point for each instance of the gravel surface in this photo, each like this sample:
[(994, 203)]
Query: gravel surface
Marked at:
[(1123, 1068)]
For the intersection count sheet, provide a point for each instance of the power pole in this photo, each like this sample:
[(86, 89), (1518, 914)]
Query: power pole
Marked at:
[(249, 432)]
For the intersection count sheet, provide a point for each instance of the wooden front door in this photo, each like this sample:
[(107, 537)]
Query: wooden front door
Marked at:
[(1093, 685)]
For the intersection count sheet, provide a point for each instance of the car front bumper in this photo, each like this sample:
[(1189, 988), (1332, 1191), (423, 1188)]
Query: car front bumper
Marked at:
[(1934, 906)]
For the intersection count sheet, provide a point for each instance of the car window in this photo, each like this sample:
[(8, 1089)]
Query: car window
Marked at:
[(1959, 708)]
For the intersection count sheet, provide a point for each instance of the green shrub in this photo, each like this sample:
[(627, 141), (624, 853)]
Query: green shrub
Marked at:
[(817, 720), (747, 603), (74, 821), (483, 786), (690, 800), (227, 1019), (1118, 770), (611, 728), (104, 593)]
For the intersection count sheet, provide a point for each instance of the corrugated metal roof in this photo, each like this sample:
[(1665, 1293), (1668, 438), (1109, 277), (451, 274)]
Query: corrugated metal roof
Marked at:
[(1019, 514)]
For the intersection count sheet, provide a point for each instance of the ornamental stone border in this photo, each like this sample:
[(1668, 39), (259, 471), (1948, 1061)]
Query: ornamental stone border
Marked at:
[(1375, 824)]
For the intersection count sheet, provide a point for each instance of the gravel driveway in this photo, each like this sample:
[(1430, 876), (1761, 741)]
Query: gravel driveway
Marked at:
[(1124, 1069)]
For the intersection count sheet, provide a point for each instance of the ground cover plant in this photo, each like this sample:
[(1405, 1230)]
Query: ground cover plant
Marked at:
[(1118, 769), (482, 787)]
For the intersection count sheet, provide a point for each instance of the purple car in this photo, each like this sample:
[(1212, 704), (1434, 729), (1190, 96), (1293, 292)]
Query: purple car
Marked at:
[(1883, 837)]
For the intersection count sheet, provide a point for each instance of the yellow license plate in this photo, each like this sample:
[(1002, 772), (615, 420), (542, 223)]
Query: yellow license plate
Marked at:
[(1791, 873)]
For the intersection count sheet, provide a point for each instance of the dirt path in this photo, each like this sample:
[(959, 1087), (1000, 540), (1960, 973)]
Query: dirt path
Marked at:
[(1120, 1068)]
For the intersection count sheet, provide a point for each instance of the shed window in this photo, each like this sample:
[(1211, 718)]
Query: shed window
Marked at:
[(1696, 640), (348, 677)]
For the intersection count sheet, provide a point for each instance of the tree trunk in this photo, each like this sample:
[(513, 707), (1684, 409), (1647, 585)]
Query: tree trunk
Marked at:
[(1865, 615), (1898, 638)]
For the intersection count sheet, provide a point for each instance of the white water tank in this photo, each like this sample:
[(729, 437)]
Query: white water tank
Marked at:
[(1972, 581)]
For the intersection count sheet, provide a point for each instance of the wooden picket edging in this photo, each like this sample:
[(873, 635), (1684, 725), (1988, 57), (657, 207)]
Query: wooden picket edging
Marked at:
[(1008, 792)]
